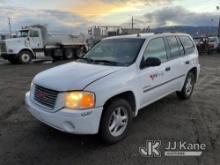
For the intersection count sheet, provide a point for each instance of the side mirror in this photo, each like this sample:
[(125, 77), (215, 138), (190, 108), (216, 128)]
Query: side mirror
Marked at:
[(151, 62)]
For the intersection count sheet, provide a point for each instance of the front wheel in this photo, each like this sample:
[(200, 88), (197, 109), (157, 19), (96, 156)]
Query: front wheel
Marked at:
[(25, 57), (116, 121), (188, 87)]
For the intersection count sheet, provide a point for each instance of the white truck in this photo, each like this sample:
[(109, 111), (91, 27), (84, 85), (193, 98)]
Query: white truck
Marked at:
[(34, 42)]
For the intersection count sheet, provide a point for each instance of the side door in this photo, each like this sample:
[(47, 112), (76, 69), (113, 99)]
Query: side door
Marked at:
[(35, 39), (189, 58), (153, 80), (175, 61)]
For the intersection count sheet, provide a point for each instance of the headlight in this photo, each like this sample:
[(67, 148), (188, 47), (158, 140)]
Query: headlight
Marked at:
[(79, 100)]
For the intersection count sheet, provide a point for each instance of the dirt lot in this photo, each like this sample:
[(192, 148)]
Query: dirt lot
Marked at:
[(26, 141)]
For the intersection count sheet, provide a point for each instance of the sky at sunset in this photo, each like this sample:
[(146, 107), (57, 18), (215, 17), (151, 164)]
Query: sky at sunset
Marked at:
[(74, 16)]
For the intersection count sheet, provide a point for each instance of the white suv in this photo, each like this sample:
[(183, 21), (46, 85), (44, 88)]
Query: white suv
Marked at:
[(104, 90)]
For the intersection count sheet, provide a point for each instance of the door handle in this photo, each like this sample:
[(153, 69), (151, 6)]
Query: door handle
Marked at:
[(187, 62), (168, 69)]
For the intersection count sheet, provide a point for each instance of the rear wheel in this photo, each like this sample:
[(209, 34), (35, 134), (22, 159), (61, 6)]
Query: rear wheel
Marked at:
[(116, 121), (188, 87), (68, 54), (57, 54), (25, 57)]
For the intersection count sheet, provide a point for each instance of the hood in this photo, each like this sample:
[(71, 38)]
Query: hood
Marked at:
[(72, 76), (15, 40), (15, 43)]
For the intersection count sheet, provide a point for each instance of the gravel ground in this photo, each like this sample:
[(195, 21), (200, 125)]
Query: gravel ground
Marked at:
[(26, 141)]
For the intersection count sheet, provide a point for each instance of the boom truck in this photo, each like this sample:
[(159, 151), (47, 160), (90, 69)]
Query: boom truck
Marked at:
[(34, 42)]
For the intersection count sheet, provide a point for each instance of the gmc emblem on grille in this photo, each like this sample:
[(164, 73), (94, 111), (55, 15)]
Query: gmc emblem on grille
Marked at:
[(42, 95)]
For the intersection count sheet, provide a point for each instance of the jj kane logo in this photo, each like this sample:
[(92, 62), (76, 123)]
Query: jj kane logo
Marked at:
[(153, 149)]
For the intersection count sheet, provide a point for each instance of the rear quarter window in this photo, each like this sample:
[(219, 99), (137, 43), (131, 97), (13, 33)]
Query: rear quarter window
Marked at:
[(187, 44)]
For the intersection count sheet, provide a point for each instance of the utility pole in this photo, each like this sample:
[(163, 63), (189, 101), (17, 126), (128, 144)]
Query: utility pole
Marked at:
[(132, 23), (218, 8), (9, 25)]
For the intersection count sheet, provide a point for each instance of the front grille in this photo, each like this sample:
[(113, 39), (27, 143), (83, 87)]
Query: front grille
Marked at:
[(2, 47), (45, 96)]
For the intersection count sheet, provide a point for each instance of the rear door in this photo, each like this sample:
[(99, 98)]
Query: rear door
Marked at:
[(190, 54), (175, 55)]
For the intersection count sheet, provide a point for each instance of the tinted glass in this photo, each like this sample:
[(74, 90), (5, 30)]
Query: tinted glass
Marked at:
[(174, 47), (187, 44), (156, 48), (121, 51), (23, 33), (182, 52), (34, 33)]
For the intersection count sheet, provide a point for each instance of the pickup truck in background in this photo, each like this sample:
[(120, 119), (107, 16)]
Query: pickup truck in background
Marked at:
[(34, 42)]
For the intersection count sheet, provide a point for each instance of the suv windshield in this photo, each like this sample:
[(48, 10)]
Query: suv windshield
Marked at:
[(118, 52), (23, 33)]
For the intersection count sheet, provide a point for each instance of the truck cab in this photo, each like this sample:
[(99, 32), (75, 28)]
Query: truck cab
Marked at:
[(22, 49), (34, 38)]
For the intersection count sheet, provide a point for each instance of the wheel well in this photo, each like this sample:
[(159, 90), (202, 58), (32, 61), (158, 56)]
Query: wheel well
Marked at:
[(129, 96), (194, 71), (27, 50)]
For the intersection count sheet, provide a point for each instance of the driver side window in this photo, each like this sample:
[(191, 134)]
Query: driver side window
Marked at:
[(34, 33), (156, 48)]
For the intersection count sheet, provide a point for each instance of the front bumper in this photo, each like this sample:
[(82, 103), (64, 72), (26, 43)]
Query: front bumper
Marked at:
[(66, 120), (7, 56)]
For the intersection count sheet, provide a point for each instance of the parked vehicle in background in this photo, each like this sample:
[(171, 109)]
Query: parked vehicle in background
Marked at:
[(34, 42), (105, 89), (207, 44), (201, 44), (213, 43)]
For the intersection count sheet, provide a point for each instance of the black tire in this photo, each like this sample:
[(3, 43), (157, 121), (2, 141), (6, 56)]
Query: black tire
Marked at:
[(57, 55), (68, 54), (107, 121), (80, 52), (25, 57), (187, 91)]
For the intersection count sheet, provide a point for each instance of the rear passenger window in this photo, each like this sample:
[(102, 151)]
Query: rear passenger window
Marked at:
[(174, 47), (156, 48), (187, 44)]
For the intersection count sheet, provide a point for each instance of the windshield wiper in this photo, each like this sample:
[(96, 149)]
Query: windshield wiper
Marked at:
[(106, 62), (89, 60), (85, 59)]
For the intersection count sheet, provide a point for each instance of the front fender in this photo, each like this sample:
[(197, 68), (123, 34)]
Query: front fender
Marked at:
[(115, 84)]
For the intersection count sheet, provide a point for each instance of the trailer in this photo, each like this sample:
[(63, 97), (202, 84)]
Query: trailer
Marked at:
[(34, 42)]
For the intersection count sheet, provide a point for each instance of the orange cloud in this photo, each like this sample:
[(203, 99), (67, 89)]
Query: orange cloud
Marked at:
[(97, 8)]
